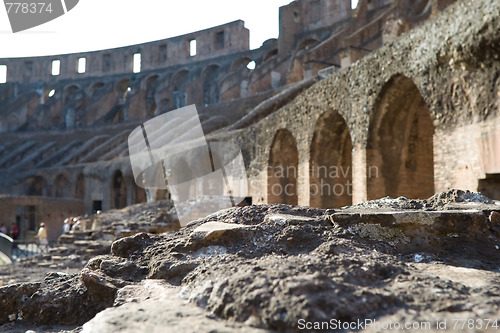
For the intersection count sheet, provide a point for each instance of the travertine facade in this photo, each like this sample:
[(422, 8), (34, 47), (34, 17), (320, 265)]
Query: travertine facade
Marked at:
[(418, 112)]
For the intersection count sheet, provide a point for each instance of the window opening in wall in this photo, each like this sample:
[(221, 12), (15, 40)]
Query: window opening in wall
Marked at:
[(136, 64), (56, 67), (354, 4), (52, 93), (192, 47), (3, 73), (251, 65), (163, 52), (82, 65), (219, 39)]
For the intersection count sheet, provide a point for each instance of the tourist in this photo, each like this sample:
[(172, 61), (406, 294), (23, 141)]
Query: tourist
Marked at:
[(66, 226), (96, 223), (42, 238), (3, 229), (76, 224), (14, 231)]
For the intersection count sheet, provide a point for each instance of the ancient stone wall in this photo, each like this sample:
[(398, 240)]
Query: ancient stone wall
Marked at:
[(452, 85)]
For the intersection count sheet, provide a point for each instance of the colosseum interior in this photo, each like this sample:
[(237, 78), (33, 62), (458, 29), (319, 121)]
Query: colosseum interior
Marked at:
[(392, 98)]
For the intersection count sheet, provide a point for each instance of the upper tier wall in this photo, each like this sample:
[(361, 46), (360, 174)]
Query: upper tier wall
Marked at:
[(213, 42)]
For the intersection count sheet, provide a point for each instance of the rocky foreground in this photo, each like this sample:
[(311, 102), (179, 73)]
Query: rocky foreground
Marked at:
[(431, 264)]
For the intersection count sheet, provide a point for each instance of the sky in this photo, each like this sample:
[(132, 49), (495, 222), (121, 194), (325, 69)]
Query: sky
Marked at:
[(102, 24)]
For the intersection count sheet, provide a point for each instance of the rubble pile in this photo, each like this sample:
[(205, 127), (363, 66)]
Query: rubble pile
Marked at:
[(282, 268)]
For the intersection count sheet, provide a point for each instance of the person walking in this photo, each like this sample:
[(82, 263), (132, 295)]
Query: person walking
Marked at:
[(42, 238)]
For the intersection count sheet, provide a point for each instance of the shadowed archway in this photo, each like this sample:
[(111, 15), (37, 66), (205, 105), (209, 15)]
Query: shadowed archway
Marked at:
[(282, 169), (399, 154), (331, 163), (119, 191)]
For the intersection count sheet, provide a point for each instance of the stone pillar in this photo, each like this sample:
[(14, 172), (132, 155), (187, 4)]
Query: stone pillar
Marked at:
[(359, 184), (303, 182), (303, 179)]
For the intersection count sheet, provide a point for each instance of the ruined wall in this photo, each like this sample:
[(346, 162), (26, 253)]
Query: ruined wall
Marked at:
[(456, 82)]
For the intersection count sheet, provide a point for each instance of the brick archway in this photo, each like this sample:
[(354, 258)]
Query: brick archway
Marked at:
[(119, 191), (330, 169), (399, 153), (282, 170)]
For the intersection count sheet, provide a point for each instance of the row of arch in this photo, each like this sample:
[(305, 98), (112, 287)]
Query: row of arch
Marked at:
[(177, 79), (62, 187), (66, 105), (399, 153)]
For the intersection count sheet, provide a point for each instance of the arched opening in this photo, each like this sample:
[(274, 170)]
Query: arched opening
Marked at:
[(69, 92), (36, 186), (179, 83), (399, 153), (331, 163), (60, 185), (211, 93), (122, 89), (283, 169), (118, 191), (80, 187), (95, 87)]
